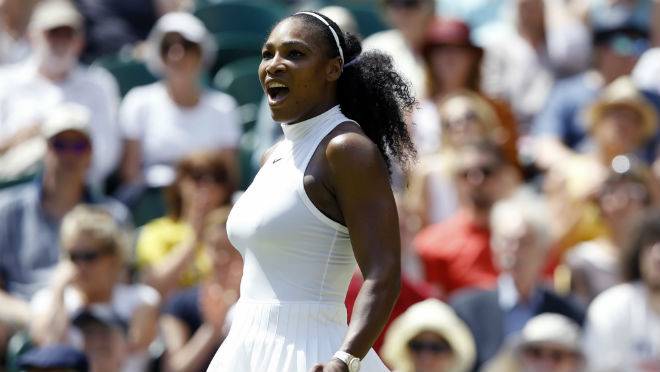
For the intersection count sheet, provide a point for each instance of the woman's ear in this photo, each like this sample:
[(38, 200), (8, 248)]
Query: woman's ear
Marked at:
[(333, 69)]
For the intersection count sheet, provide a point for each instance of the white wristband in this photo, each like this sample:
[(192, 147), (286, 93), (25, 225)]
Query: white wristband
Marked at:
[(351, 361)]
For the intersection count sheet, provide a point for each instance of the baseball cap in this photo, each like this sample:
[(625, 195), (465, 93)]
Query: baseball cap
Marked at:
[(50, 14), (552, 328), (54, 356), (68, 116)]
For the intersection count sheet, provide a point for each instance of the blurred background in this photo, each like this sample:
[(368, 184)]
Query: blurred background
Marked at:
[(529, 223)]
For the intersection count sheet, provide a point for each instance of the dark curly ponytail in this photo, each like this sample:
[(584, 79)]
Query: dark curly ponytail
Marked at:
[(372, 93)]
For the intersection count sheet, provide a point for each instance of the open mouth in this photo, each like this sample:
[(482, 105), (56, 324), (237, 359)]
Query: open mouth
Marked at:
[(277, 92)]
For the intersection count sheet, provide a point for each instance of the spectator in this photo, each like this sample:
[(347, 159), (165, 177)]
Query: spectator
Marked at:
[(54, 358), (196, 320), (30, 214), (547, 343), (165, 121), (88, 279), (410, 19), (453, 64), (561, 123), (466, 118), (456, 253), (521, 66), (14, 18), (429, 337), (623, 322), (51, 76), (520, 242), (594, 265), (169, 250), (104, 340), (620, 121)]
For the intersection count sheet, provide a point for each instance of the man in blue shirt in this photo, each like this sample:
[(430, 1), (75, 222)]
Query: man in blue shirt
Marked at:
[(30, 214), (520, 241)]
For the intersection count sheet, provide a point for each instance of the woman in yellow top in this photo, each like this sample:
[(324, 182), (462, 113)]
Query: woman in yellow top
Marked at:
[(169, 251)]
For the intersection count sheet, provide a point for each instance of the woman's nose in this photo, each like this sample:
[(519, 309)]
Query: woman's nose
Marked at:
[(275, 65)]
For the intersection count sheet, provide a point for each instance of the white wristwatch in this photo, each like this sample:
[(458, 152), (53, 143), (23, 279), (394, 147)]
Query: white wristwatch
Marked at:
[(352, 362)]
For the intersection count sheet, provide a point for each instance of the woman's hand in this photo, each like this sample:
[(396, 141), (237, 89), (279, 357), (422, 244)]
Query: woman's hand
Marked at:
[(334, 365)]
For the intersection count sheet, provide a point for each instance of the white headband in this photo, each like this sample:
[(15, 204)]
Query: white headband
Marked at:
[(334, 34)]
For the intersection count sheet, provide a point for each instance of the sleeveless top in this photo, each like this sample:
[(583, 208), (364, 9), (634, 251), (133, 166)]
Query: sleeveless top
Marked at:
[(292, 252)]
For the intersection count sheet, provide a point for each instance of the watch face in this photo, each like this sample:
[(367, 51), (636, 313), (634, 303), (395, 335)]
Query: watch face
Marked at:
[(354, 365)]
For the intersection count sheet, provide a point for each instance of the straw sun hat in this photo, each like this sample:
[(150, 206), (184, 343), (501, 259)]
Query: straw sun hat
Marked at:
[(623, 92), (429, 315)]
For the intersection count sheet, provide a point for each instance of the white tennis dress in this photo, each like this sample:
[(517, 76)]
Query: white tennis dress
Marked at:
[(297, 266)]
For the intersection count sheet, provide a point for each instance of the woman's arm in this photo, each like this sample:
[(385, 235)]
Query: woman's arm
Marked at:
[(185, 353), (362, 189)]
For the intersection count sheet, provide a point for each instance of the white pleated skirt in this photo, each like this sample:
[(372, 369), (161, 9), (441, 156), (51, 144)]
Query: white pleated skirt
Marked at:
[(285, 337)]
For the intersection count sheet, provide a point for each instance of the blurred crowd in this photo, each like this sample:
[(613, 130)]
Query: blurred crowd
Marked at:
[(530, 222)]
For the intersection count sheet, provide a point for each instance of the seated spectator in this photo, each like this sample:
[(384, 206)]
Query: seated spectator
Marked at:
[(547, 343), (196, 320), (409, 19), (623, 323), (165, 121), (520, 242), (545, 43), (456, 253), (51, 76), (595, 265), (169, 250), (88, 279), (621, 121), (14, 19), (429, 337), (104, 339), (453, 65), (466, 118), (30, 214), (56, 358), (561, 124)]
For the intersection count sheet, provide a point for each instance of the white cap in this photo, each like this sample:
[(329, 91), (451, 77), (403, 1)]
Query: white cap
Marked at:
[(50, 14), (186, 25), (552, 328), (68, 116)]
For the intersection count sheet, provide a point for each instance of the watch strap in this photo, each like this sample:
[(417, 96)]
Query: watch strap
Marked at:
[(348, 359)]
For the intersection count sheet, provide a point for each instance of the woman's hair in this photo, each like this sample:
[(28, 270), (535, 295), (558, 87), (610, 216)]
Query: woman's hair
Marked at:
[(200, 164), (370, 92), (97, 225), (645, 234)]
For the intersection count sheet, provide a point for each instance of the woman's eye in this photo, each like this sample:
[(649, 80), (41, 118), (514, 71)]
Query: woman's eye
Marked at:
[(266, 55), (295, 54)]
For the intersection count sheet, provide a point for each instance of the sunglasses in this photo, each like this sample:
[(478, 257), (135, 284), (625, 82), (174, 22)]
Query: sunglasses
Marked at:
[(484, 171), (626, 46), (551, 354), (434, 347), (211, 177), (86, 256), (75, 146)]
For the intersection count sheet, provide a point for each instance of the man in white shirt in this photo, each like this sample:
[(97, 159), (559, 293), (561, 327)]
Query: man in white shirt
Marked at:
[(53, 75), (623, 323)]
